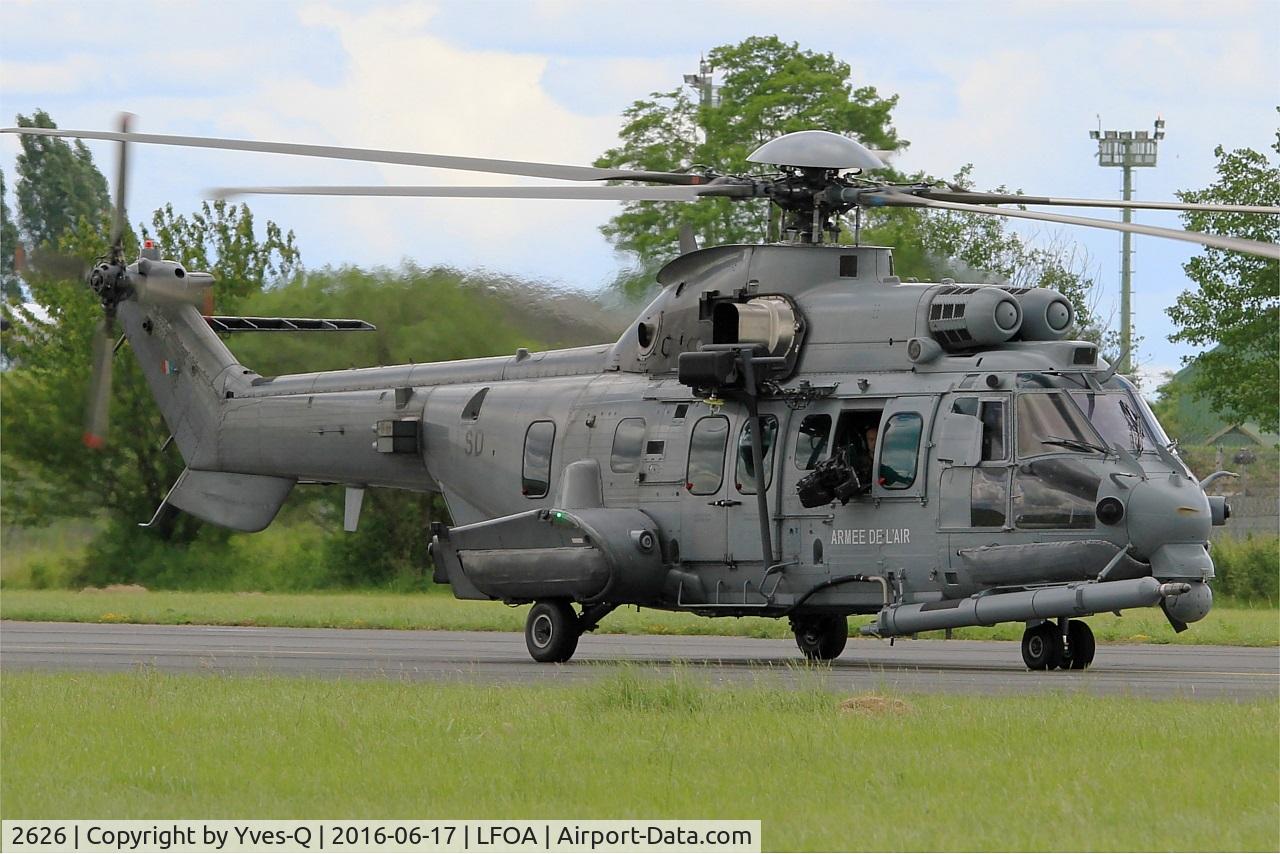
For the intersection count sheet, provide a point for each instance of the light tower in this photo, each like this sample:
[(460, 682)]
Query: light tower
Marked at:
[(708, 92), (1128, 150)]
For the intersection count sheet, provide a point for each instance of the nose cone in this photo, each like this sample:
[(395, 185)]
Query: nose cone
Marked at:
[(1164, 511)]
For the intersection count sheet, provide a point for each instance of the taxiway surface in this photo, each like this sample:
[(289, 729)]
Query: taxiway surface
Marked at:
[(500, 657)]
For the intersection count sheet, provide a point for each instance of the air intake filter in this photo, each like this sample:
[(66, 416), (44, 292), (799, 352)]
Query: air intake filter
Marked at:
[(965, 317)]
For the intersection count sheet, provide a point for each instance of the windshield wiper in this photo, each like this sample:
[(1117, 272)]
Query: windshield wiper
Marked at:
[(1075, 444)]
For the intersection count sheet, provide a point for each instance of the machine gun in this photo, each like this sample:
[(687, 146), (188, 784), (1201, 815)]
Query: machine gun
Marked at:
[(831, 480)]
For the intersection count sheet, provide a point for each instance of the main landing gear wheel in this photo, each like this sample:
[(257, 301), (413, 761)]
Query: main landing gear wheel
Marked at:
[(1080, 645), (1042, 646), (821, 638), (551, 631)]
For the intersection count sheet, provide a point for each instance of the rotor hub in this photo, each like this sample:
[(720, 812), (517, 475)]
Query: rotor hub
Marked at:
[(109, 281)]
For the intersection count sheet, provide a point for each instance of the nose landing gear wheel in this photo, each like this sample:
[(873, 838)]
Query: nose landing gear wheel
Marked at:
[(551, 631), (1080, 645), (821, 638), (1042, 647)]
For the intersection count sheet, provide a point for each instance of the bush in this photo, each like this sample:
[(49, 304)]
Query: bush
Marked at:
[(282, 558), (1248, 570)]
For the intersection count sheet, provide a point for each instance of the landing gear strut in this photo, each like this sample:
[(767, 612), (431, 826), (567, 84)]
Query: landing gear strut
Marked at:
[(821, 638), (552, 629), (1080, 645), (1068, 645)]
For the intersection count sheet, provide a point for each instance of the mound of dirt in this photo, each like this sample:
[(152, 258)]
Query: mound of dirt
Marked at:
[(116, 588), (874, 704)]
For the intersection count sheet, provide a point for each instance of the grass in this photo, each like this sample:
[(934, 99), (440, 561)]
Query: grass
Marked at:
[(44, 557), (437, 610), (912, 772)]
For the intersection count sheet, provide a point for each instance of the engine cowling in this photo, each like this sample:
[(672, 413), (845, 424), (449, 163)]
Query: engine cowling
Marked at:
[(964, 317)]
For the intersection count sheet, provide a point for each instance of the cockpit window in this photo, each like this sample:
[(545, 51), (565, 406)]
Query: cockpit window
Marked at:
[(1149, 418), (1050, 423), (1069, 381), (1115, 415)]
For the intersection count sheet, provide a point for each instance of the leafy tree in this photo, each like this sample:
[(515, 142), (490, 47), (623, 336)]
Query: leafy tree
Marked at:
[(57, 184), (10, 289), (1237, 301), (221, 237), (47, 472), (421, 315), (769, 88), (930, 245)]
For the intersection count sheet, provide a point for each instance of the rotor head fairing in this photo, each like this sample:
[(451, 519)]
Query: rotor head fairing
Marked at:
[(816, 149)]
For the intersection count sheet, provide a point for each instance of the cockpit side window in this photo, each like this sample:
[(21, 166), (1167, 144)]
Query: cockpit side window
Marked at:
[(992, 417), (991, 414)]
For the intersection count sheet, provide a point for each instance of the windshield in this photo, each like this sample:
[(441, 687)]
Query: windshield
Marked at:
[(1115, 416), (1149, 418), (1050, 423)]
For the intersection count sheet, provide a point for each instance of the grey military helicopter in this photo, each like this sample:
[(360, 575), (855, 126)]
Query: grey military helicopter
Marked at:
[(787, 430)]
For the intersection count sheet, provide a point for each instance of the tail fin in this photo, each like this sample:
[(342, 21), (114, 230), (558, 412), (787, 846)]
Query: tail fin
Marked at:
[(191, 374)]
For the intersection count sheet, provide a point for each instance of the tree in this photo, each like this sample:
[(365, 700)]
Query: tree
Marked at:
[(421, 316), (46, 470), (221, 237), (10, 289), (1236, 304), (769, 88), (57, 184), (930, 245)]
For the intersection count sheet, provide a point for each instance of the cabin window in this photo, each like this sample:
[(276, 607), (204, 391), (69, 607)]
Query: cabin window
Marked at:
[(706, 455), (471, 411), (811, 441), (899, 450), (536, 475), (746, 472), (628, 439)]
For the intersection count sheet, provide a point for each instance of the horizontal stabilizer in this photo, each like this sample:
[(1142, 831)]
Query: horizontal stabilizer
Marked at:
[(241, 502), (223, 323)]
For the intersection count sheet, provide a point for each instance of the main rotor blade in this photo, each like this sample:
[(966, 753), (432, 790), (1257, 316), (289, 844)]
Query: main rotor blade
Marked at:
[(122, 183), (1218, 241), (97, 419), (375, 155), (1013, 199), (622, 194)]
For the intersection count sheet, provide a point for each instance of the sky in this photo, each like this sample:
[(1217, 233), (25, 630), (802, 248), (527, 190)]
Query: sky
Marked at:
[(1011, 87)]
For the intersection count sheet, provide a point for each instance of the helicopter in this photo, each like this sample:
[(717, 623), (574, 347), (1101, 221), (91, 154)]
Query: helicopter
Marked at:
[(787, 430)]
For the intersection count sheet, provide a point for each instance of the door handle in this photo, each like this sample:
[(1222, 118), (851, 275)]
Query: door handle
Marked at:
[(724, 502)]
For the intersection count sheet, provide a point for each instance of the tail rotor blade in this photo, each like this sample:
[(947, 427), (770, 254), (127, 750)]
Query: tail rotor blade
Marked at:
[(122, 183), (96, 424)]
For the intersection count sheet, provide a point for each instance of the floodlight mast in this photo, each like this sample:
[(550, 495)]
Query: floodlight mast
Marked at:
[(1128, 150)]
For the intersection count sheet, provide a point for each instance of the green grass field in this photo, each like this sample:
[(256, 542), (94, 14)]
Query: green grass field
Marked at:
[(917, 772), (438, 610)]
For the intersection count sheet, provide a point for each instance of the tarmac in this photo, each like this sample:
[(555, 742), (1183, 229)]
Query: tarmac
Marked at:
[(923, 666)]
